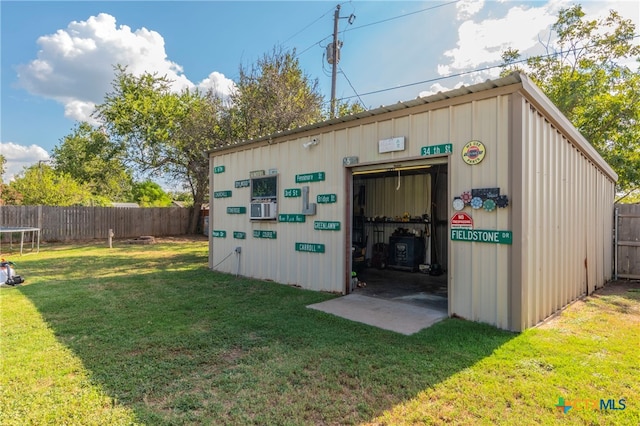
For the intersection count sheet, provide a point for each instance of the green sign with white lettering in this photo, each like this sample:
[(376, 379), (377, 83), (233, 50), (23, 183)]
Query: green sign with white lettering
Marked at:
[(310, 177), (218, 169), (218, 234), (321, 225), (293, 192), (236, 210), (482, 236), (326, 198), (244, 183), (222, 194), (259, 233), (292, 218), (238, 235), (445, 148), (310, 247)]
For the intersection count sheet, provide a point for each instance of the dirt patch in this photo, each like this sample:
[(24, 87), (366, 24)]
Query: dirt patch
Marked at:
[(622, 296), (183, 239), (620, 288)]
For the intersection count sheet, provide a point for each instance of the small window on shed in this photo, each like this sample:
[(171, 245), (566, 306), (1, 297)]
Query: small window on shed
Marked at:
[(264, 197)]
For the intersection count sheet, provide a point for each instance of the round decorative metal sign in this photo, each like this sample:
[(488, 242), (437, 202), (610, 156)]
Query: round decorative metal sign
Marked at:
[(458, 204), (473, 152), (476, 202)]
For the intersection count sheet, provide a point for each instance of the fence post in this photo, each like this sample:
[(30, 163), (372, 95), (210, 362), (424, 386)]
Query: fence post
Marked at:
[(615, 244)]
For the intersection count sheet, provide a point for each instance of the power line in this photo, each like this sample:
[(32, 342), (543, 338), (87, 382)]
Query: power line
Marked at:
[(354, 90), (487, 68), (305, 28), (376, 23), (400, 16)]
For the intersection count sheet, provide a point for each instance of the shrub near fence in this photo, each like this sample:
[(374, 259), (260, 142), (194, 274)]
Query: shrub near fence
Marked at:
[(87, 223)]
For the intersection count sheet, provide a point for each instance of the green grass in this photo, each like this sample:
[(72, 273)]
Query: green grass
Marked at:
[(148, 335)]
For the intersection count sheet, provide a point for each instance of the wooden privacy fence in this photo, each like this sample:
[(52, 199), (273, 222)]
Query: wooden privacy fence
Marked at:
[(87, 223), (627, 241)]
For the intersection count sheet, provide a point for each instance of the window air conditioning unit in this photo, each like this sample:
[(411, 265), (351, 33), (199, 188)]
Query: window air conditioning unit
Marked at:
[(266, 210)]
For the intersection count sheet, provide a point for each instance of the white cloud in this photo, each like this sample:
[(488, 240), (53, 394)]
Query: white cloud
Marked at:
[(467, 8), (19, 156), (74, 66), (437, 87), (218, 83), (483, 42)]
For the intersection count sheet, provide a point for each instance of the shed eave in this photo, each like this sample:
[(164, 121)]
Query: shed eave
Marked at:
[(513, 78)]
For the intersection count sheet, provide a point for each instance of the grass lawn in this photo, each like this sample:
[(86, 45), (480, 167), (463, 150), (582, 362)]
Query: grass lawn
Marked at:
[(148, 335)]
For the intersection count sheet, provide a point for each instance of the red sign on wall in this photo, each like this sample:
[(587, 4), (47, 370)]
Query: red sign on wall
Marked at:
[(461, 220)]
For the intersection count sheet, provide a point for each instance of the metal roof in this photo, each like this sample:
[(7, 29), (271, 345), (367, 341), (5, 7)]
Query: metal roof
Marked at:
[(513, 78)]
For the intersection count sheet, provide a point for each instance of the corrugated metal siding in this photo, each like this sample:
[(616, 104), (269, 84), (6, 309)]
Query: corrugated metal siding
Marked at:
[(567, 220), (276, 259), (479, 272)]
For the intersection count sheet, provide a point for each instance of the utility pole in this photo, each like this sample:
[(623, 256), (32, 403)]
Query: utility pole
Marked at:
[(334, 64), (333, 56)]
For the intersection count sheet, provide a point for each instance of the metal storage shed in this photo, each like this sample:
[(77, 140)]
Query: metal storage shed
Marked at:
[(492, 179)]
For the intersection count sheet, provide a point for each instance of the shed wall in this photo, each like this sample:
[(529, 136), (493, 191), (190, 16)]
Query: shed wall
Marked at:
[(566, 220), (479, 272), (560, 204)]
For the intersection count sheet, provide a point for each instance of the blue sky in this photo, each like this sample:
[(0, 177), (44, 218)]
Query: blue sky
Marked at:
[(57, 57)]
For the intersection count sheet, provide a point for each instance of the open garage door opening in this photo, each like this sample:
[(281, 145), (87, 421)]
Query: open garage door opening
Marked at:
[(399, 232)]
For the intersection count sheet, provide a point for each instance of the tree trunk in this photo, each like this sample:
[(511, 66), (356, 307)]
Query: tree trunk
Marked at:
[(195, 224)]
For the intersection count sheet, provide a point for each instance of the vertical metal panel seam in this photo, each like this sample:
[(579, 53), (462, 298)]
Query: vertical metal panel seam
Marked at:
[(518, 248)]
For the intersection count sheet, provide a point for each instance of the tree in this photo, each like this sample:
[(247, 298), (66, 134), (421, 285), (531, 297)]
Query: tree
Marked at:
[(585, 77), (150, 194), (274, 95), (205, 125), (170, 133), (3, 163), (165, 132), (346, 108), (142, 114), (41, 185), (89, 157)]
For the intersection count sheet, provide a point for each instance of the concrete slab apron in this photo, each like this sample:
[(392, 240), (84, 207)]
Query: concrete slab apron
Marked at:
[(386, 314)]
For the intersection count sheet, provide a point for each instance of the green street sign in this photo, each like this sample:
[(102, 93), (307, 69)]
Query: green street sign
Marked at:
[(320, 225), (222, 194), (292, 218), (259, 233), (218, 234), (326, 198), (244, 183), (239, 235), (310, 247), (236, 210), (310, 177), (482, 236), (218, 169), (293, 192), (445, 148)]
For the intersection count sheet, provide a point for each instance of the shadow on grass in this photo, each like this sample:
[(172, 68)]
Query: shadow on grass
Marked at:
[(180, 344)]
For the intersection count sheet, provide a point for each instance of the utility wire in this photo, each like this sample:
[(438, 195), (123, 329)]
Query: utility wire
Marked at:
[(351, 85), (399, 16), (305, 28), (487, 68), (376, 23)]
